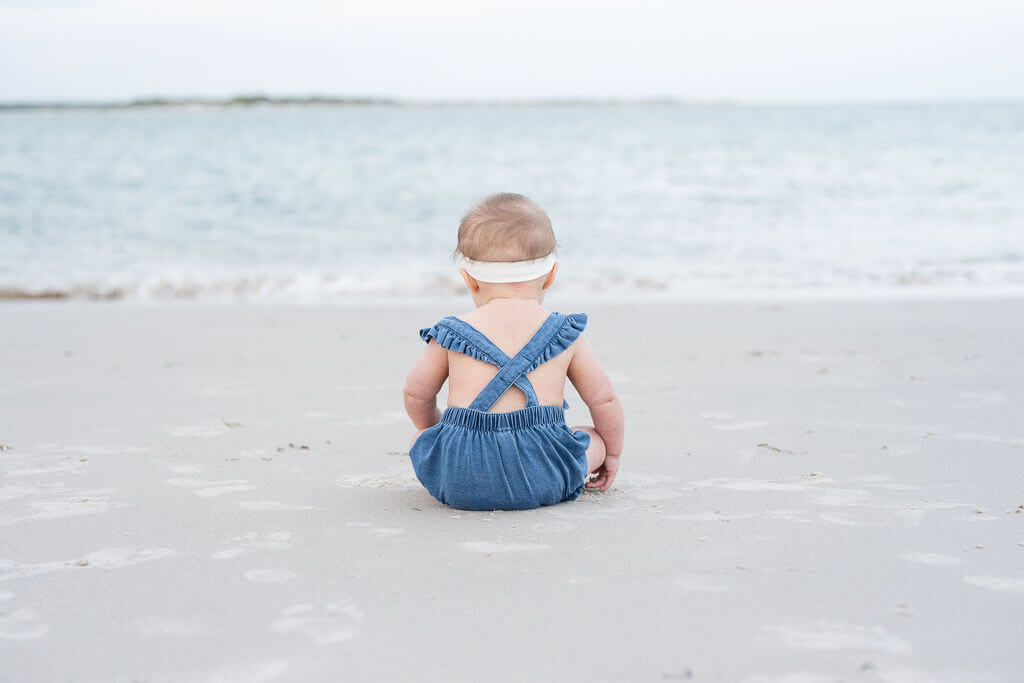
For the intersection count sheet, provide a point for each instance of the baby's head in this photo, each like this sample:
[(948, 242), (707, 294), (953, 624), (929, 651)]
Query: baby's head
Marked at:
[(506, 248)]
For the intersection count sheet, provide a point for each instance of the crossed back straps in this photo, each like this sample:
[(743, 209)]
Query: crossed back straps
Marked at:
[(511, 371)]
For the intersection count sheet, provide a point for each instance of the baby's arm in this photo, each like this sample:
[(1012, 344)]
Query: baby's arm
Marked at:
[(421, 386), (594, 387)]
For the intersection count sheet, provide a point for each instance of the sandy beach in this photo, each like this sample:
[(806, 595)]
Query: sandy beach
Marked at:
[(812, 492)]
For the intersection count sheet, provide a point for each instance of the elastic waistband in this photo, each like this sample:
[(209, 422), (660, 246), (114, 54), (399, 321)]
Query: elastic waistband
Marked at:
[(498, 422)]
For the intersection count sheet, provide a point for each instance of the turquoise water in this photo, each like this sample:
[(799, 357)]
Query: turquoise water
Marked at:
[(329, 203)]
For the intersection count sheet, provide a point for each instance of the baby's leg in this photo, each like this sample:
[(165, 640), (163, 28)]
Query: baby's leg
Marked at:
[(595, 452)]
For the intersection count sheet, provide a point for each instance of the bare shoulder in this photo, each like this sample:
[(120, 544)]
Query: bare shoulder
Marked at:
[(579, 347)]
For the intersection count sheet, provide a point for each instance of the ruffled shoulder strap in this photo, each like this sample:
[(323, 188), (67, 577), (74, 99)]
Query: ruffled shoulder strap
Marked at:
[(568, 330), (461, 337)]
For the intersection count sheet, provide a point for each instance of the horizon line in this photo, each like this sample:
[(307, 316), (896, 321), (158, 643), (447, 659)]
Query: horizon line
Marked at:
[(261, 99)]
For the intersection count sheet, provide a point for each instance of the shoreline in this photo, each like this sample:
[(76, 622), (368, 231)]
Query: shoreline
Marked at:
[(934, 294), (258, 101)]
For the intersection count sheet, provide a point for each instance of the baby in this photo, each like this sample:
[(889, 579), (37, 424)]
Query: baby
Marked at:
[(503, 443)]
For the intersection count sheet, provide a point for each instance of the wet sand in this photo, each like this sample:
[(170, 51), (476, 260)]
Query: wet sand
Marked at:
[(811, 492)]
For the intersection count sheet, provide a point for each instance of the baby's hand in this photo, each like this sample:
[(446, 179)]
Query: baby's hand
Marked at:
[(605, 474)]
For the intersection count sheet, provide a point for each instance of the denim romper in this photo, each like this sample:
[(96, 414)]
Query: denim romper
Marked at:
[(477, 460)]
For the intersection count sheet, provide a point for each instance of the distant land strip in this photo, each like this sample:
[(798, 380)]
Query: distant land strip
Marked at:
[(324, 100)]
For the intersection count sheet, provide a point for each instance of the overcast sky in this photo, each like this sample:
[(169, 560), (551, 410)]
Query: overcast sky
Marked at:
[(742, 50)]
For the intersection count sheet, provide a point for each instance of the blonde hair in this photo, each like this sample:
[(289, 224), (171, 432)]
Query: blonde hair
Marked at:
[(505, 227)]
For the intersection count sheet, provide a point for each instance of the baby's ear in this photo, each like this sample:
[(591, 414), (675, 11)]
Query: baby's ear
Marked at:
[(471, 282), (550, 279)]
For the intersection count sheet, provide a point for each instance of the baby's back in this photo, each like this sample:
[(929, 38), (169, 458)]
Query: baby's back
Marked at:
[(509, 324)]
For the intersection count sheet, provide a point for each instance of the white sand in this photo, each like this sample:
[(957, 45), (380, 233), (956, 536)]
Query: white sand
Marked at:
[(811, 492)]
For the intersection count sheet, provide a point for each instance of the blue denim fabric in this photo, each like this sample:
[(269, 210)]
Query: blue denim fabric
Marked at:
[(477, 460)]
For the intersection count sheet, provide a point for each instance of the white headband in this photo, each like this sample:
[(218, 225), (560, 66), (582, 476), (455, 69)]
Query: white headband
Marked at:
[(511, 271)]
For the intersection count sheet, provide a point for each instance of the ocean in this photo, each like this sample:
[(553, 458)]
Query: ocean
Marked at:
[(322, 204)]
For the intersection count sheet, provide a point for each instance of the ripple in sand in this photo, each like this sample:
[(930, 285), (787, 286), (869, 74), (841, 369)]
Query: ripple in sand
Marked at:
[(270, 575), (204, 430), (385, 417), (488, 547), (187, 469), (934, 559), (552, 527), (75, 467), (109, 558), (277, 540), (810, 479), (719, 516), (384, 532), (839, 497), (699, 584), (741, 426), (159, 627), (209, 489), (834, 637), (845, 521), (70, 504), (901, 487), (1003, 584), (403, 478), (655, 494), (982, 398), (256, 672), (271, 505), (794, 677), (14, 492), (221, 490)]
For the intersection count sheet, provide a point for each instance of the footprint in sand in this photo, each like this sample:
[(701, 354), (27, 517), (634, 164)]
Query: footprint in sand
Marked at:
[(335, 622), (21, 624), (276, 540)]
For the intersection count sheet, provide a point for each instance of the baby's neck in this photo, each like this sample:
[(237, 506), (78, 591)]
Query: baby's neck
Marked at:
[(503, 294)]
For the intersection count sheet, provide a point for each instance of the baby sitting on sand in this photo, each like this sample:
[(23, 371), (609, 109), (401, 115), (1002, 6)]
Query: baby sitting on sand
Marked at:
[(503, 443)]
